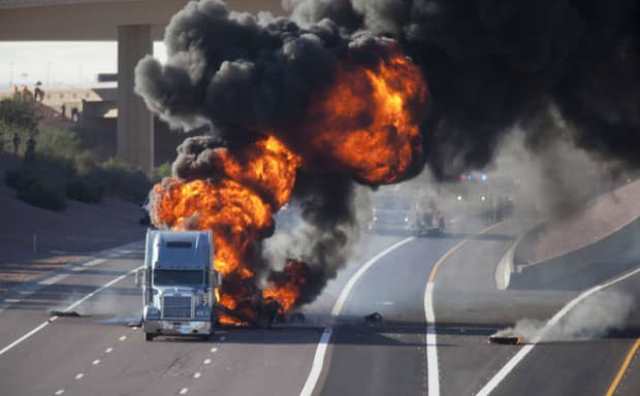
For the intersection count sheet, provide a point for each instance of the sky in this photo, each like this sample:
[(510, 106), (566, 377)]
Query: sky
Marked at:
[(59, 63)]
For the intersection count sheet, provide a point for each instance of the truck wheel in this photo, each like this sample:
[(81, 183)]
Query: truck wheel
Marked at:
[(148, 337)]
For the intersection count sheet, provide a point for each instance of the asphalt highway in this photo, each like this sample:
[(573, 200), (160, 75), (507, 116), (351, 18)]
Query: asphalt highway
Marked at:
[(99, 353)]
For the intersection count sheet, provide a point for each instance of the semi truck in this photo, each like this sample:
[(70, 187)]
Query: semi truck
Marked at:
[(178, 281)]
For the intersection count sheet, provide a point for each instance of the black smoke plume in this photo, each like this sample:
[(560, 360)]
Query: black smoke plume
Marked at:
[(491, 64), (244, 75)]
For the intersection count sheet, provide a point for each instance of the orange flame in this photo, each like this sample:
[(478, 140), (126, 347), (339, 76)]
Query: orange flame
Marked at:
[(237, 207), (368, 121), (365, 125), (286, 290)]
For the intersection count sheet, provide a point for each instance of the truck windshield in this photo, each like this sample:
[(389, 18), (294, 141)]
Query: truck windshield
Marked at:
[(178, 278)]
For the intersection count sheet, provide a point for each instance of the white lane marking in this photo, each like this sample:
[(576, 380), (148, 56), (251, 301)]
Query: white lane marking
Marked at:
[(184, 391), (59, 392), (433, 372), (207, 361), (35, 287), (96, 362), (122, 338), (431, 338), (53, 280), (321, 350), (522, 353), (214, 350), (197, 375), (339, 305), (101, 288), (67, 309), (79, 376), (318, 362), (108, 350), (24, 337), (12, 300), (94, 262)]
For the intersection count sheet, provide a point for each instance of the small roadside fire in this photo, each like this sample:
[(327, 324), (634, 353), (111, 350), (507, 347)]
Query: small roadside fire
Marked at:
[(366, 125)]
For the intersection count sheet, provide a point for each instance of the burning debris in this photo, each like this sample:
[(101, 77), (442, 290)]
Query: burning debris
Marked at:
[(504, 337)]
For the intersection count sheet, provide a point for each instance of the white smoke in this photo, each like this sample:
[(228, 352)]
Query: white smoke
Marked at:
[(593, 318)]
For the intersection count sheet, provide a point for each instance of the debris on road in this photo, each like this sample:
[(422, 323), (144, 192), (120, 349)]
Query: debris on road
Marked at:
[(505, 339), (64, 314), (373, 318)]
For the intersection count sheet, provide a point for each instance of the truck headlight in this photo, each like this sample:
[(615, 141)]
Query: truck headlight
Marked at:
[(151, 313)]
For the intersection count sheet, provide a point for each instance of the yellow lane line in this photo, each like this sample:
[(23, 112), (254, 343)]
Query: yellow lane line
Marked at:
[(623, 368), (433, 376)]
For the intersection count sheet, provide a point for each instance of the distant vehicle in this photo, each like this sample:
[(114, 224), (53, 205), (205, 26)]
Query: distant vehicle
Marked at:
[(177, 284), (429, 223), (390, 219)]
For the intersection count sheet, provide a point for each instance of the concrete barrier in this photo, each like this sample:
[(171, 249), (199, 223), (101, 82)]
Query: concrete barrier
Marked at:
[(576, 270)]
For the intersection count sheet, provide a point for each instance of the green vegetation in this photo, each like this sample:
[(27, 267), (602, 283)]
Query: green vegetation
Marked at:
[(17, 116), (161, 172), (62, 167)]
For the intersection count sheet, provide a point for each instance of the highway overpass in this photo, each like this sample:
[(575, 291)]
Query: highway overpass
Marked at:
[(135, 24)]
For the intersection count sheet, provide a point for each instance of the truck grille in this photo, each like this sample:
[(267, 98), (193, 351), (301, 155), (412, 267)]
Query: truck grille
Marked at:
[(176, 307)]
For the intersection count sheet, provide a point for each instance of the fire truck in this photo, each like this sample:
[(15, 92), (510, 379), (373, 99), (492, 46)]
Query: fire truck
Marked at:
[(177, 284)]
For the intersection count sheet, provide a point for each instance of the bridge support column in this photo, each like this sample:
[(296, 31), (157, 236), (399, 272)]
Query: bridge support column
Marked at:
[(135, 122)]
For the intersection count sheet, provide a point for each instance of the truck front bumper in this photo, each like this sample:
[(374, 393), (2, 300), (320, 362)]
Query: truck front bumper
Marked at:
[(177, 327)]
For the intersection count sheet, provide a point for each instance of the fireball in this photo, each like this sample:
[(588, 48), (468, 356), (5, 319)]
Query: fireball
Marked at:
[(366, 124)]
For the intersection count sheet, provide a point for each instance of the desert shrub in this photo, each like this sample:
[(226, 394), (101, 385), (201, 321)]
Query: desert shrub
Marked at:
[(122, 180), (41, 195), (19, 114), (33, 188), (18, 178), (41, 182), (62, 167), (85, 190), (60, 143)]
